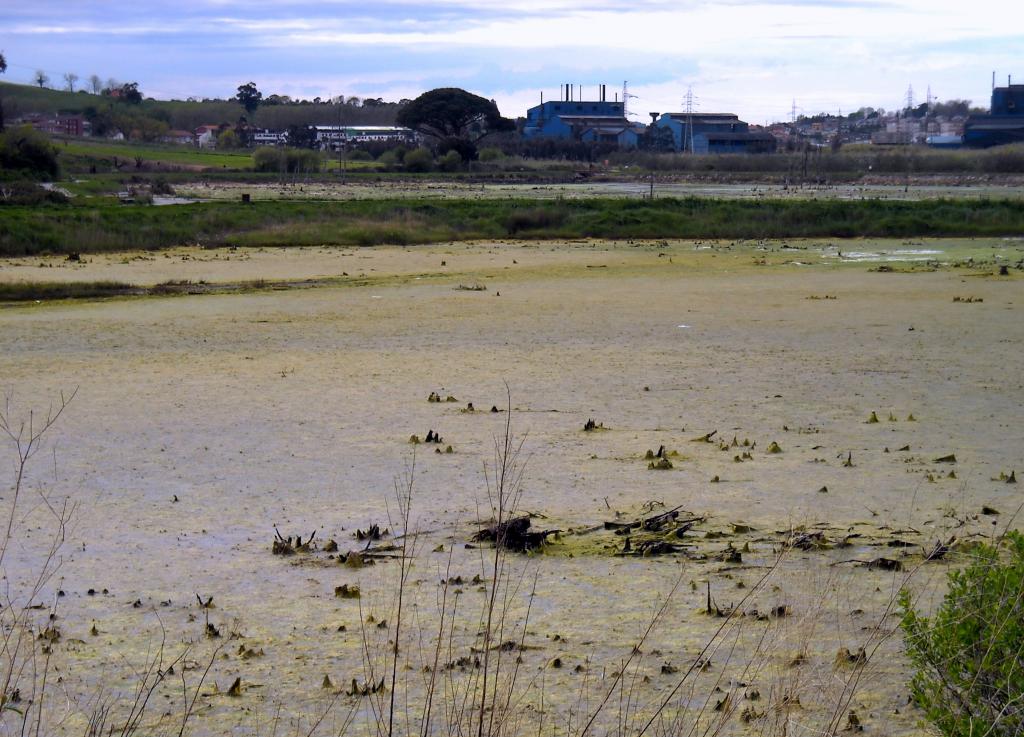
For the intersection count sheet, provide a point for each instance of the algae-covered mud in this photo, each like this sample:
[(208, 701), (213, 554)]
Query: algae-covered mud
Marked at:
[(751, 447)]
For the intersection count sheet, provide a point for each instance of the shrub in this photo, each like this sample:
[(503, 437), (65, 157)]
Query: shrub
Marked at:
[(969, 656), (389, 158), (451, 161), (419, 160), (29, 193), (491, 153), (285, 160), (358, 154), (26, 150), (534, 218)]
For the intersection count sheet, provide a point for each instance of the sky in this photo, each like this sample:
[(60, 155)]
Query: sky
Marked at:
[(757, 58)]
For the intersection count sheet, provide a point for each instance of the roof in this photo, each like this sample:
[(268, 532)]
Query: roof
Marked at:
[(728, 136), (703, 116), (596, 119)]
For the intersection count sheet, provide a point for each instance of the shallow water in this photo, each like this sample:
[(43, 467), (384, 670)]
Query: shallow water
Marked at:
[(294, 409)]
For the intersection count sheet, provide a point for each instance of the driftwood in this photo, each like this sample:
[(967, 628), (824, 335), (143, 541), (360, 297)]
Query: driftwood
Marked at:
[(514, 534), (286, 546)]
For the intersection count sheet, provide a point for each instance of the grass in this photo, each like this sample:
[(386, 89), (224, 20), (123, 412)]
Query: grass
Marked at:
[(76, 151), (82, 154), (29, 291), (105, 227)]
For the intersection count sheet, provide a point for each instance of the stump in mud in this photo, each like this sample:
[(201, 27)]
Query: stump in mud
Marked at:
[(514, 534)]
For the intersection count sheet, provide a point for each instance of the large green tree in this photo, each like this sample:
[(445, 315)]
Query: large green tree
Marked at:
[(249, 97), (458, 119), (130, 93)]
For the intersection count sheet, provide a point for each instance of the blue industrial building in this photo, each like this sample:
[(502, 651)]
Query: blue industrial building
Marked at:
[(589, 121), (714, 133), (1004, 124)]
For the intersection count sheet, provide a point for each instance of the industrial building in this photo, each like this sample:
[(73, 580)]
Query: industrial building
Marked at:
[(714, 133), (1005, 122), (604, 121), (589, 121)]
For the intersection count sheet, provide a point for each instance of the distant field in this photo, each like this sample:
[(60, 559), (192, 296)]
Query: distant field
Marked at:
[(78, 155), (181, 155)]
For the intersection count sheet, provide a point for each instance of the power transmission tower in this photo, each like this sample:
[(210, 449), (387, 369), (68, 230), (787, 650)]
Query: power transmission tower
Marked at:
[(910, 97), (793, 112), (688, 142), (625, 99)]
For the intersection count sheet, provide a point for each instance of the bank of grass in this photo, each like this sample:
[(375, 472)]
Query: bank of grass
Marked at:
[(93, 228), (31, 291)]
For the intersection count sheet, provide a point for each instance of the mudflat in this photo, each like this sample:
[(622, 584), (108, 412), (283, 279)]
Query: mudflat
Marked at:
[(800, 393)]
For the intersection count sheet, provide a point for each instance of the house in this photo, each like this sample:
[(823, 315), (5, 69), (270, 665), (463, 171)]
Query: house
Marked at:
[(184, 138), (205, 136), (714, 133), (269, 138), (1004, 124), (56, 125)]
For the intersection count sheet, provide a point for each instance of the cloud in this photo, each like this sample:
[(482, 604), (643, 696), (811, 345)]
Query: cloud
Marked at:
[(750, 57)]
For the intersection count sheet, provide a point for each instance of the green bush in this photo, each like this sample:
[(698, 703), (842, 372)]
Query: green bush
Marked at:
[(419, 160), (358, 154), (451, 161), (29, 193), (491, 153), (26, 151), (288, 160), (389, 158), (969, 656)]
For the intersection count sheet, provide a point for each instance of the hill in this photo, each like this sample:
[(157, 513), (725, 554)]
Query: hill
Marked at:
[(21, 100)]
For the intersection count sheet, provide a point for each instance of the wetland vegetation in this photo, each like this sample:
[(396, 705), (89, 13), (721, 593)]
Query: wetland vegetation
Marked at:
[(99, 227)]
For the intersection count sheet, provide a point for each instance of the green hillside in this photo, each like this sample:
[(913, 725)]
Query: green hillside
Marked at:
[(20, 100)]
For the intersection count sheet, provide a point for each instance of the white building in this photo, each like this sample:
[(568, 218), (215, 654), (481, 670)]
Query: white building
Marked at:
[(336, 136)]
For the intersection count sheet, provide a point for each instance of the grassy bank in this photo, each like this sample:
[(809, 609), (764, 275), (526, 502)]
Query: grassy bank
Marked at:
[(29, 291), (111, 227)]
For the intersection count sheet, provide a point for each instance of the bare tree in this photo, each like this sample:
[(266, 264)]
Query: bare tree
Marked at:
[(41, 78), (70, 79), (95, 83)]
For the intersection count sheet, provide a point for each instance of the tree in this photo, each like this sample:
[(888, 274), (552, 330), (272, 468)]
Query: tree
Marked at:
[(70, 79), (301, 136), (130, 93), (41, 78), (454, 116), (95, 83), (249, 97)]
